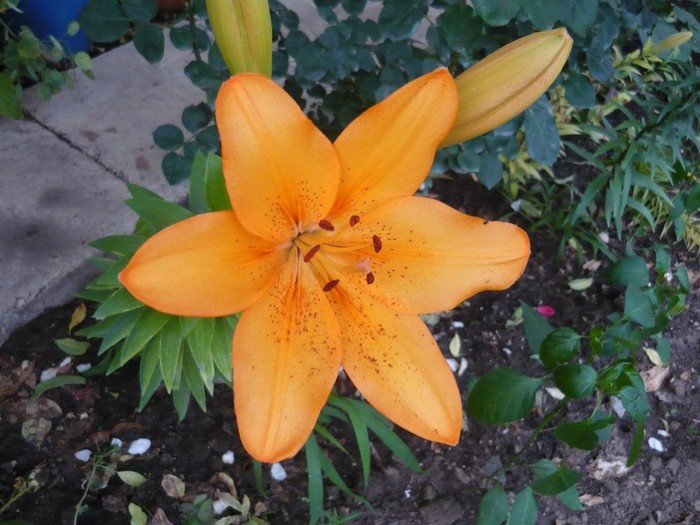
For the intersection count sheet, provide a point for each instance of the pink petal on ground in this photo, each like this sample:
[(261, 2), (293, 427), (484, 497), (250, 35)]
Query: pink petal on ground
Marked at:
[(546, 310)]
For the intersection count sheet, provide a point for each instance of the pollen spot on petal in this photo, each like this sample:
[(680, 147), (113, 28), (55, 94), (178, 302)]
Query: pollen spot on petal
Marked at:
[(376, 243), (311, 253), (354, 219), (330, 285), (326, 225), (369, 277), (486, 222)]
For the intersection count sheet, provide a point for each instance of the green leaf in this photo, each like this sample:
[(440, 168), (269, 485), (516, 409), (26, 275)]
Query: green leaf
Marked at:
[(582, 434), (536, 327), (543, 13), (628, 271), (195, 117), (663, 349), (56, 382), (140, 10), (120, 329), (503, 395), (636, 445), (149, 42), (541, 132), (118, 244), (193, 379), (638, 307), (579, 91), (559, 481), (103, 21), (9, 97), (181, 400), (71, 346), (120, 301), (461, 28), (315, 474), (497, 12), (579, 15), (199, 343), (221, 348), (490, 171), (524, 510), (575, 381), (399, 19), (493, 509), (158, 212), (131, 478), (170, 352), (150, 355), (176, 168), (168, 137), (359, 427), (207, 185), (635, 402), (149, 323), (332, 474), (559, 346)]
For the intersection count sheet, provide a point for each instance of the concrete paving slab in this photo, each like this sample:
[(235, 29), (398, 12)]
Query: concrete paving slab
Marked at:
[(53, 202), (112, 118)]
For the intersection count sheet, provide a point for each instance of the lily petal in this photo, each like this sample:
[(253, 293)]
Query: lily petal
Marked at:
[(281, 172), (395, 363), (434, 257), (286, 356), (207, 265), (387, 151)]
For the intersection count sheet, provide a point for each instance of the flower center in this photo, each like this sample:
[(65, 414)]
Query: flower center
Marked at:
[(334, 255)]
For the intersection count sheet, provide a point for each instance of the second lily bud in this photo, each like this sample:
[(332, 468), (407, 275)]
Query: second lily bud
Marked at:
[(507, 82)]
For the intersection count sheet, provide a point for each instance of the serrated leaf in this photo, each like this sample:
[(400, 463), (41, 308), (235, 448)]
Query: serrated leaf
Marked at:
[(196, 117), (490, 171), (140, 10), (543, 13), (576, 381), (503, 395), (628, 271), (559, 481), (176, 168), (149, 41), (559, 346), (635, 402), (524, 510), (103, 21), (460, 27), (638, 307), (579, 91), (493, 509), (399, 19), (131, 478), (536, 327), (582, 434), (71, 346), (580, 15)]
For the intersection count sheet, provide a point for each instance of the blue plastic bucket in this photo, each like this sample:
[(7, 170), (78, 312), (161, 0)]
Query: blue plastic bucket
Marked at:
[(51, 17)]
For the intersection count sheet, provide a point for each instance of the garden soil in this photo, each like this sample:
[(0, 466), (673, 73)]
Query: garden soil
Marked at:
[(663, 487)]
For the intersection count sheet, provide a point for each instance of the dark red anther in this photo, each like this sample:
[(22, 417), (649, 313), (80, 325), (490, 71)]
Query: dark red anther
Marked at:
[(326, 225), (369, 277), (377, 243), (354, 219), (330, 285), (311, 253)]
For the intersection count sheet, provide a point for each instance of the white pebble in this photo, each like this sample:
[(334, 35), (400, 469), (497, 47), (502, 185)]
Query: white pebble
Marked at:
[(140, 446), (457, 324), (453, 364), (655, 444), (617, 407), (47, 374), (116, 442), (462, 367), (83, 455), (219, 506), (555, 393), (65, 362), (407, 493), (83, 415), (508, 351), (277, 472), (82, 367), (663, 433), (228, 458), (603, 236)]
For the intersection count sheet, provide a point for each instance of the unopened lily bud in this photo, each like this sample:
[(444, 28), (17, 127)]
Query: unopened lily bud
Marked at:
[(243, 32), (672, 41), (506, 82)]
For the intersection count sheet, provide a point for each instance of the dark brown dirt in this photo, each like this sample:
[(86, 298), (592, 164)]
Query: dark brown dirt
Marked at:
[(662, 488)]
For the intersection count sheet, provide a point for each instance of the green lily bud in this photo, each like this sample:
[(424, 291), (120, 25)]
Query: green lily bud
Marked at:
[(243, 32), (672, 41), (506, 82)]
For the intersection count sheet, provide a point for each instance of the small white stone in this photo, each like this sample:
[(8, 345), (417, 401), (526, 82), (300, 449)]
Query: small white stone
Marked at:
[(617, 407), (82, 416), (603, 236), (457, 324), (668, 276), (453, 364), (508, 351), (555, 393), (462, 367), (663, 433), (116, 442), (83, 455), (219, 506), (515, 205), (277, 472), (65, 362), (655, 444), (82, 367), (47, 374), (140, 446), (407, 493), (228, 458)]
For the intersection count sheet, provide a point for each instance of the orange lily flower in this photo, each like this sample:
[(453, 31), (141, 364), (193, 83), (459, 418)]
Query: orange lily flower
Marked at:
[(330, 258)]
